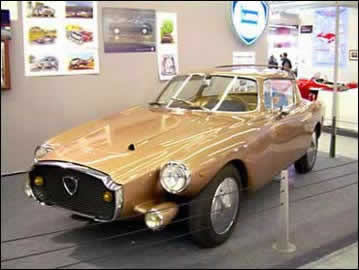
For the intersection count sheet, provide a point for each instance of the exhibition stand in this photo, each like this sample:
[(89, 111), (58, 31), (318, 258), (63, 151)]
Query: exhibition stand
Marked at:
[(167, 173)]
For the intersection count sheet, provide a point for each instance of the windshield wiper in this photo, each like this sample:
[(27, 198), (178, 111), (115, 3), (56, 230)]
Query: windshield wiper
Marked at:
[(191, 104), (156, 104)]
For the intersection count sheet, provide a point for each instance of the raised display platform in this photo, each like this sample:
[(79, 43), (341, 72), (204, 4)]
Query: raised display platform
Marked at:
[(319, 225)]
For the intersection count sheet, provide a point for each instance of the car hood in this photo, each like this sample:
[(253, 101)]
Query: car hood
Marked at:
[(136, 139)]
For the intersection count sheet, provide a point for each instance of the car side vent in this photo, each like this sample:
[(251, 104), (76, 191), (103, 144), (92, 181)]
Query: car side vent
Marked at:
[(131, 147)]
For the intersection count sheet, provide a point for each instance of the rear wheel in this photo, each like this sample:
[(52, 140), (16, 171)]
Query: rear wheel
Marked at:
[(306, 163), (214, 213)]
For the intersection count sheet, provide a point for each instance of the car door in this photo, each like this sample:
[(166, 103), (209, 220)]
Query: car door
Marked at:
[(289, 137)]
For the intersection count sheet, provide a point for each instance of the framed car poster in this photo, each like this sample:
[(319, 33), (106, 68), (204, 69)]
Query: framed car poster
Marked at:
[(167, 49), (5, 65), (129, 30), (60, 38), (353, 55)]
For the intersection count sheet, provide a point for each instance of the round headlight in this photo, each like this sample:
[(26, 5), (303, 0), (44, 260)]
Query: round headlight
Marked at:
[(42, 150), (175, 177)]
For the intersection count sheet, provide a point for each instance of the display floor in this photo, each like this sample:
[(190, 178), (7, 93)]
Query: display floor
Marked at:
[(322, 223), (345, 258)]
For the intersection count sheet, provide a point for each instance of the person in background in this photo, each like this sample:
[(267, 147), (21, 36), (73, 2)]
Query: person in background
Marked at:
[(273, 62), (286, 63)]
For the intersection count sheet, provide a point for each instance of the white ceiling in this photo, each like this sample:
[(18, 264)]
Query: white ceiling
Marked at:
[(295, 7)]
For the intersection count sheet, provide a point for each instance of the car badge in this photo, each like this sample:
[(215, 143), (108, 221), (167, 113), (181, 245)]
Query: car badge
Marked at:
[(249, 19), (70, 184)]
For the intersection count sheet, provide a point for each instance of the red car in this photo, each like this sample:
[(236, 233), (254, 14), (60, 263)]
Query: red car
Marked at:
[(329, 37), (309, 88), (80, 37)]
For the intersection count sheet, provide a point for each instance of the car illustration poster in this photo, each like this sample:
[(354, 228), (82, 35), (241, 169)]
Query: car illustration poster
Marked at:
[(5, 69), (129, 30), (167, 49), (324, 36), (60, 38)]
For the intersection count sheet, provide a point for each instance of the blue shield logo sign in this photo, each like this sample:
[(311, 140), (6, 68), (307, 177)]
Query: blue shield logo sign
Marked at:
[(249, 19)]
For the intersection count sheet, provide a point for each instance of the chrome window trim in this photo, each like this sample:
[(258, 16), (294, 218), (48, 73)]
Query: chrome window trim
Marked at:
[(168, 106), (258, 97), (106, 180), (224, 95)]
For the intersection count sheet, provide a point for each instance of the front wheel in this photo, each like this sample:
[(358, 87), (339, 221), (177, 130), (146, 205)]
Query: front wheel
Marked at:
[(214, 213), (306, 163)]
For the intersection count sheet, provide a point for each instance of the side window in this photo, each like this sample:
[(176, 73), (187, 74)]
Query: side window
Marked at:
[(278, 93), (242, 97)]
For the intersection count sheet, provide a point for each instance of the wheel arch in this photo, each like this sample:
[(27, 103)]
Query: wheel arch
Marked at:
[(318, 130), (242, 170)]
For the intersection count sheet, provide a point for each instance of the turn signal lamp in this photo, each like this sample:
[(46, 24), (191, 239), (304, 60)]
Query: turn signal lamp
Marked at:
[(39, 181), (107, 197)]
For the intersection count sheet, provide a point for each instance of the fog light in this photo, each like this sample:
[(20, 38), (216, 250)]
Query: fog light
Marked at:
[(154, 220), (39, 181), (107, 197)]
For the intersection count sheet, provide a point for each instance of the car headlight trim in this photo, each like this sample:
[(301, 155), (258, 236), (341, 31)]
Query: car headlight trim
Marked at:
[(175, 177)]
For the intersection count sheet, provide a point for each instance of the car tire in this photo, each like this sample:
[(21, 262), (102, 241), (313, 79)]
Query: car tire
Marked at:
[(306, 163), (209, 224)]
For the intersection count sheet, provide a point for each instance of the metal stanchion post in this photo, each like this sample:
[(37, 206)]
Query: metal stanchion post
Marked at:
[(283, 244), (335, 92)]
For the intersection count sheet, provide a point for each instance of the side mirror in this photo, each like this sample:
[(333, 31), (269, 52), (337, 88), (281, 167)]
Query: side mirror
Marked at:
[(282, 112)]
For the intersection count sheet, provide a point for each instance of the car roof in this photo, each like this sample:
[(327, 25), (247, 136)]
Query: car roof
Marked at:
[(250, 71)]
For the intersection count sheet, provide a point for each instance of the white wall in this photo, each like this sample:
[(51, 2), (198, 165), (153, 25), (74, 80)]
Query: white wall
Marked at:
[(306, 70)]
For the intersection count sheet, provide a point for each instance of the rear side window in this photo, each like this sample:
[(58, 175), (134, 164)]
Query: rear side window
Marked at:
[(278, 93)]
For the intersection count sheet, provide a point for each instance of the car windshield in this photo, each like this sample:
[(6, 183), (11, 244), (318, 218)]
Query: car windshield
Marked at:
[(210, 92)]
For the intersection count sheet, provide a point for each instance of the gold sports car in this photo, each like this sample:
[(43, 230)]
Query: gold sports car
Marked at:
[(207, 137)]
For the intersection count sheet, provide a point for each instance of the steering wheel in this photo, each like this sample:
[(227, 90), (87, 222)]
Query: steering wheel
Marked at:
[(239, 100)]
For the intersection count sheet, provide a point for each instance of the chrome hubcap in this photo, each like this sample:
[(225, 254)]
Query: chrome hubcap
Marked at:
[(225, 204), (312, 150)]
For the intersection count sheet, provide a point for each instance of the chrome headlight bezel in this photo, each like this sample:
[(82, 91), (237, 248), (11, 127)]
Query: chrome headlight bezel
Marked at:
[(42, 150), (182, 173)]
